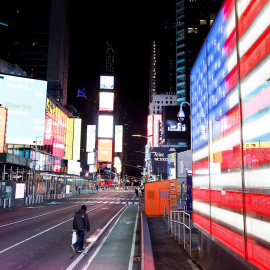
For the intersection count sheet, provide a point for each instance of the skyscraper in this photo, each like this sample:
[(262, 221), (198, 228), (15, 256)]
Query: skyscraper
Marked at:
[(152, 72), (37, 40), (109, 61), (193, 21)]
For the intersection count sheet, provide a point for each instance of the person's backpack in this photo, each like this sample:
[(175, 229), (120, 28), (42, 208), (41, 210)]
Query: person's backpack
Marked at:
[(78, 222)]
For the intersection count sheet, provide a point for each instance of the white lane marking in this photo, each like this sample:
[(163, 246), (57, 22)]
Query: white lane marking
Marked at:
[(2, 251), (130, 265), (78, 259), (19, 221)]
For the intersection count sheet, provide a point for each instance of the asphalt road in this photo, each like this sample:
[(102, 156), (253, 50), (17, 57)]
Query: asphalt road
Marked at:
[(39, 236)]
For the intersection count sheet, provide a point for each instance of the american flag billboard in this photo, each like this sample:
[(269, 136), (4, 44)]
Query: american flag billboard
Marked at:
[(230, 101)]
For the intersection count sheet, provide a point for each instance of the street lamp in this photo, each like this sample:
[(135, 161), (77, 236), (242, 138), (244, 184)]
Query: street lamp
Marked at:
[(147, 153), (181, 114), (35, 163)]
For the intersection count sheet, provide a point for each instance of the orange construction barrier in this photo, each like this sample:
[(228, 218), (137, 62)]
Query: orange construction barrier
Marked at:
[(158, 195)]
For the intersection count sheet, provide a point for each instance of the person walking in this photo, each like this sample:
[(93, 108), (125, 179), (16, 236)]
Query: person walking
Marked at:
[(80, 224)]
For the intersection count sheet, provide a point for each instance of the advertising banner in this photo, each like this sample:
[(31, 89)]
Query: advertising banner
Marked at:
[(107, 82), (106, 100), (25, 100), (118, 139), (104, 150), (91, 138), (105, 126), (3, 124), (55, 129), (173, 130), (160, 157), (69, 138), (153, 129), (77, 138)]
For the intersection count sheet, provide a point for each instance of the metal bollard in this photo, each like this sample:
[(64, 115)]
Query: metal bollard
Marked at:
[(9, 202), (5, 203), (164, 211), (26, 200), (41, 198), (169, 224)]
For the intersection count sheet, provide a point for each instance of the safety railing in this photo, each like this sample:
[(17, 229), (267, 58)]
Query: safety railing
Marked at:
[(181, 228)]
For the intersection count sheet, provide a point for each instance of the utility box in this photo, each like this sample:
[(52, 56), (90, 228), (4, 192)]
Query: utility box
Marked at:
[(158, 195)]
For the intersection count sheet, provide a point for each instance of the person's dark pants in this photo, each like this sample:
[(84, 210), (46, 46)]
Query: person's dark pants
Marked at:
[(79, 243)]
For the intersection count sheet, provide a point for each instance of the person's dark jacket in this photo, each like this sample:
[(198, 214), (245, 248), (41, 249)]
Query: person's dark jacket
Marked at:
[(81, 221)]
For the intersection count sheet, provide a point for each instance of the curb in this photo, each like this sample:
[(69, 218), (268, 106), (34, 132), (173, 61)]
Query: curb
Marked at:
[(147, 258)]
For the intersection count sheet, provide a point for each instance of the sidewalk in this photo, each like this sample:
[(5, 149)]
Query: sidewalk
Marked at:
[(167, 253)]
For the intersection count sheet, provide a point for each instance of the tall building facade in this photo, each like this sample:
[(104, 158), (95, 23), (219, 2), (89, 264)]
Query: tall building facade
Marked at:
[(37, 40), (193, 21), (152, 72), (109, 61)]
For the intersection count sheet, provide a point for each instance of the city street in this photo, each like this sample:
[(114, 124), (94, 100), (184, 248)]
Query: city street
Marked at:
[(39, 236)]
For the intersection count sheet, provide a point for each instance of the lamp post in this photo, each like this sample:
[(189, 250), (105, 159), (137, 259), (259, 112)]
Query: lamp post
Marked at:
[(35, 163), (148, 161), (147, 153), (181, 114)]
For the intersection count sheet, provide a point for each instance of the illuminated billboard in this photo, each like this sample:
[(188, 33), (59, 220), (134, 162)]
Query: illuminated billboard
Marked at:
[(25, 100), (69, 138), (91, 138), (107, 82), (3, 123), (106, 100), (91, 158), (74, 167), (55, 130), (174, 130), (118, 139), (105, 126), (153, 129), (77, 138), (104, 150), (230, 100)]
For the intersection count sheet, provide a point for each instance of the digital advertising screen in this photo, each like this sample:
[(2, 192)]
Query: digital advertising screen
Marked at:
[(107, 82), (91, 158), (3, 124), (118, 139), (77, 138), (153, 129), (69, 138), (106, 101), (160, 157), (74, 167), (172, 128), (55, 129), (25, 100), (105, 126), (91, 138), (230, 100), (104, 150)]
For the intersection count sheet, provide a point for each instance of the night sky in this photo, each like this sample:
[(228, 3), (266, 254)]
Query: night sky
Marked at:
[(130, 27)]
